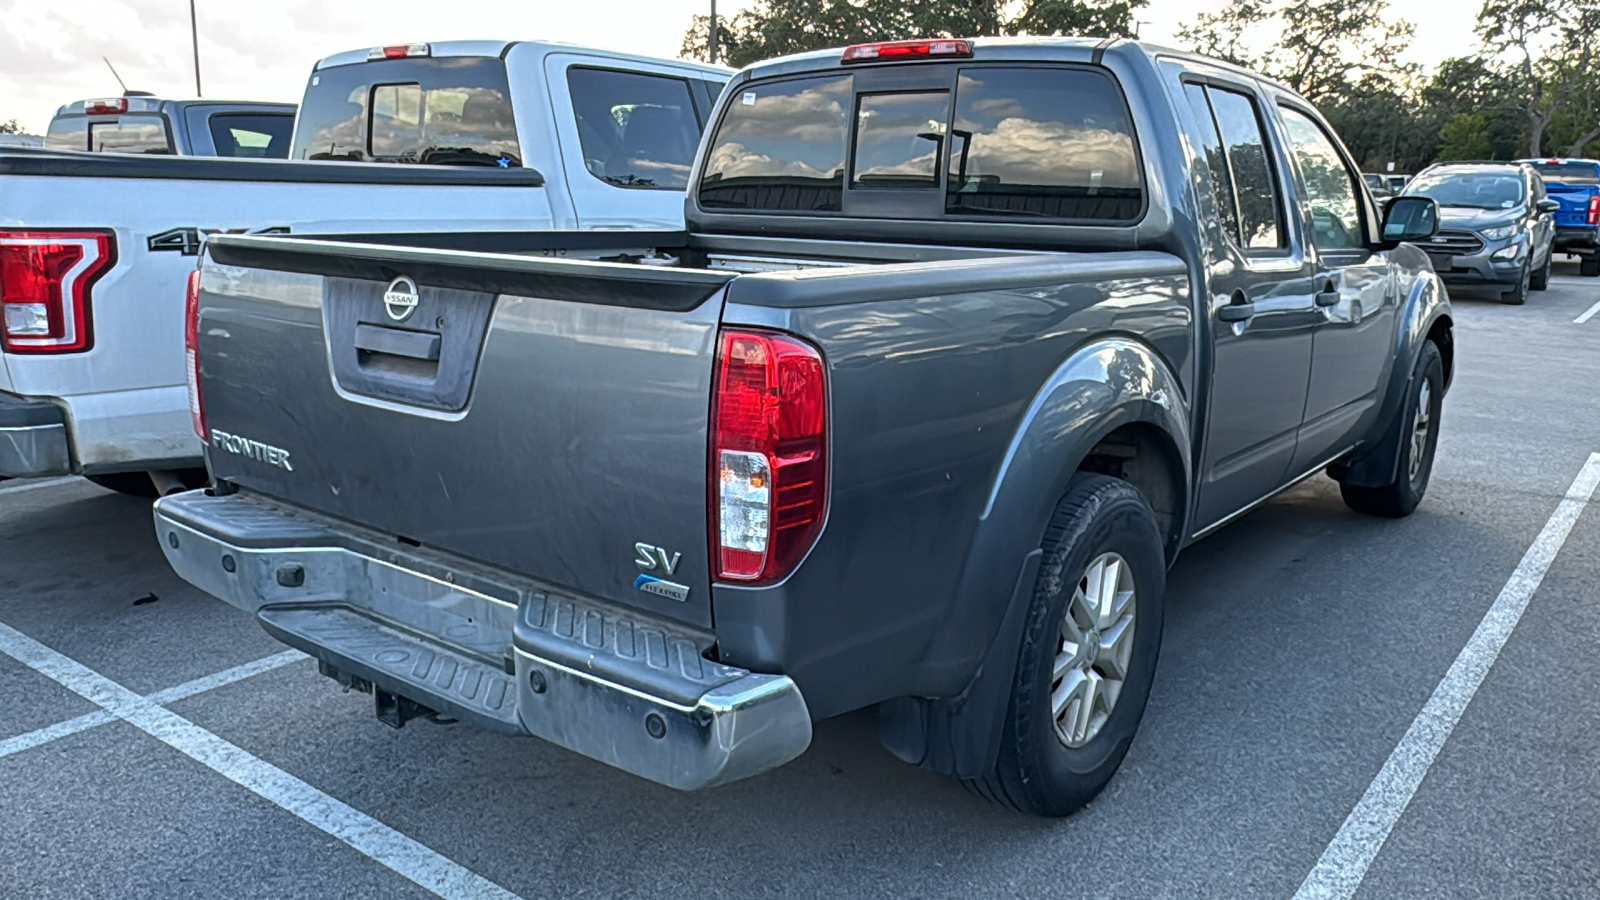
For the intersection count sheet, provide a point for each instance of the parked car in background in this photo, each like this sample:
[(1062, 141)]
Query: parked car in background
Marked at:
[(1497, 227), (94, 249), (1575, 185), (1396, 183), (138, 122), (964, 342), (1378, 185)]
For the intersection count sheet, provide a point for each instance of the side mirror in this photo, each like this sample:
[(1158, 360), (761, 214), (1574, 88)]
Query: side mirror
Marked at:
[(1547, 206), (1409, 219)]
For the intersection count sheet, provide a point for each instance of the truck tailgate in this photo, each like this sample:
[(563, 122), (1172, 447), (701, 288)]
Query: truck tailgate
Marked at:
[(543, 416), (1574, 200)]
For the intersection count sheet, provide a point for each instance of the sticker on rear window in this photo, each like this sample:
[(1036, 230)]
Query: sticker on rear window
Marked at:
[(749, 98)]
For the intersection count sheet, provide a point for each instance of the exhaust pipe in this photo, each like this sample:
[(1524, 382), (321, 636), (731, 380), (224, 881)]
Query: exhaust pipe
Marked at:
[(167, 482)]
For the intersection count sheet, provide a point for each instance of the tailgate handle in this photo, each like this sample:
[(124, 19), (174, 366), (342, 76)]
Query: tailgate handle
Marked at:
[(397, 342)]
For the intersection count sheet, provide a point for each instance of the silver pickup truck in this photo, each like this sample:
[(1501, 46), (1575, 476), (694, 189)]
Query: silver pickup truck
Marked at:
[(965, 341)]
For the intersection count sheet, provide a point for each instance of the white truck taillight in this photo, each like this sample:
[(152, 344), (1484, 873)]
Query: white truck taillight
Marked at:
[(45, 280), (191, 353), (769, 443)]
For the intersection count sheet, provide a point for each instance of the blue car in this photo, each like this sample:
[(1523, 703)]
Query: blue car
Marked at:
[(1575, 184)]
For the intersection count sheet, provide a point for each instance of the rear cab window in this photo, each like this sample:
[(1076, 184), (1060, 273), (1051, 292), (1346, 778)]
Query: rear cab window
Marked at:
[(969, 141), (1569, 173), (432, 111), (636, 130), (126, 133), (251, 135)]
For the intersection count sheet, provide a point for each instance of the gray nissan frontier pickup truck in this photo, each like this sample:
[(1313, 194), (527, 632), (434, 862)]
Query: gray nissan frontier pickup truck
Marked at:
[(963, 343)]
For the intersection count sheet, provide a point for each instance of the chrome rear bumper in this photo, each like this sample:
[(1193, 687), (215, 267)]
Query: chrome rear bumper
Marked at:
[(632, 692), (33, 439)]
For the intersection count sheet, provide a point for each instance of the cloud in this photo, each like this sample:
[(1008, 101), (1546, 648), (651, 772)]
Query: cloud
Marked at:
[(1024, 151), (735, 160)]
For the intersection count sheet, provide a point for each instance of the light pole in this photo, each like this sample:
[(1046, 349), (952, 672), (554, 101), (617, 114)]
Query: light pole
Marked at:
[(194, 32), (713, 43)]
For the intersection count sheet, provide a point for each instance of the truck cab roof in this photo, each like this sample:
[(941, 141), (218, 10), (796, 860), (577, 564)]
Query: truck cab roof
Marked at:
[(442, 49)]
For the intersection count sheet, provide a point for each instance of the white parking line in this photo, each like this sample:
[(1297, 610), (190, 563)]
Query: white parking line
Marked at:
[(28, 484), (32, 739), (365, 834), (1345, 862), (1587, 314)]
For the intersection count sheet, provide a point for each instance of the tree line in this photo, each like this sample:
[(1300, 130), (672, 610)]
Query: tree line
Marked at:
[(1529, 87)]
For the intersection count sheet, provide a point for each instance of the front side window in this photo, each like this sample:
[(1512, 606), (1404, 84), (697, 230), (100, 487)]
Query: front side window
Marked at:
[(781, 148), (1330, 185), (1239, 122), (130, 134), (636, 130), (250, 135), (1054, 143), (446, 111)]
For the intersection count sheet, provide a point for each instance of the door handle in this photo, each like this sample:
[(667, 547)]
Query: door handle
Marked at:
[(1237, 312)]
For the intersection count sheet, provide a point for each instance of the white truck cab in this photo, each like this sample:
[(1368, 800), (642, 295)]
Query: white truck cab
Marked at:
[(472, 137)]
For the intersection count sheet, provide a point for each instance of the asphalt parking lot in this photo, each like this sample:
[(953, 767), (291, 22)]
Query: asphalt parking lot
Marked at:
[(1344, 706)]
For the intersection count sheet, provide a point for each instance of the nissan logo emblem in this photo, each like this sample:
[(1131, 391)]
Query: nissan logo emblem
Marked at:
[(400, 299)]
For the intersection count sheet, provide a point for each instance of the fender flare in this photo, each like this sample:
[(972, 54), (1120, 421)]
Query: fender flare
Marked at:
[(1102, 386), (1427, 303)]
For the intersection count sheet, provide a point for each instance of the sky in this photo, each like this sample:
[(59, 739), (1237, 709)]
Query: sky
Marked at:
[(50, 50)]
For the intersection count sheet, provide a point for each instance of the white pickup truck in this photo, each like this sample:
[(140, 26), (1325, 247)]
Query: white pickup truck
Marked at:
[(482, 140)]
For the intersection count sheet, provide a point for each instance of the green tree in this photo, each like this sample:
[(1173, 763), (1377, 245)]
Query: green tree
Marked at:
[(11, 127), (1547, 51), (777, 27), (1465, 136), (1324, 49)]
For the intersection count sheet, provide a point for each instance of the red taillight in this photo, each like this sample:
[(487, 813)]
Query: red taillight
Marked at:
[(1594, 210), (45, 279), (105, 107), (400, 51), (903, 50), (191, 353), (769, 455)]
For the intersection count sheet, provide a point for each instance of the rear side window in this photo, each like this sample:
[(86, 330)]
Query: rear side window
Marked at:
[(451, 111), (1239, 121), (68, 133), (130, 134), (1215, 159), (1569, 173), (781, 148), (250, 135), (1055, 143), (636, 130)]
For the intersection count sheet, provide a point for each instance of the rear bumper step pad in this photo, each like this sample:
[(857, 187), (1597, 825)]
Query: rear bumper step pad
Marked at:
[(624, 690)]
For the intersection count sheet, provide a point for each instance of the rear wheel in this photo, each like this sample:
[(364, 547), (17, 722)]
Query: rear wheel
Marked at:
[(1590, 265), (1419, 439), (1519, 294), (1088, 652), (1541, 279)]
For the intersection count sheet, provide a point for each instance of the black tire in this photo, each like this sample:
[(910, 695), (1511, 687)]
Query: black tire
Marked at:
[(1401, 497), (1540, 280), (1036, 771), (1590, 267), (1518, 295)]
